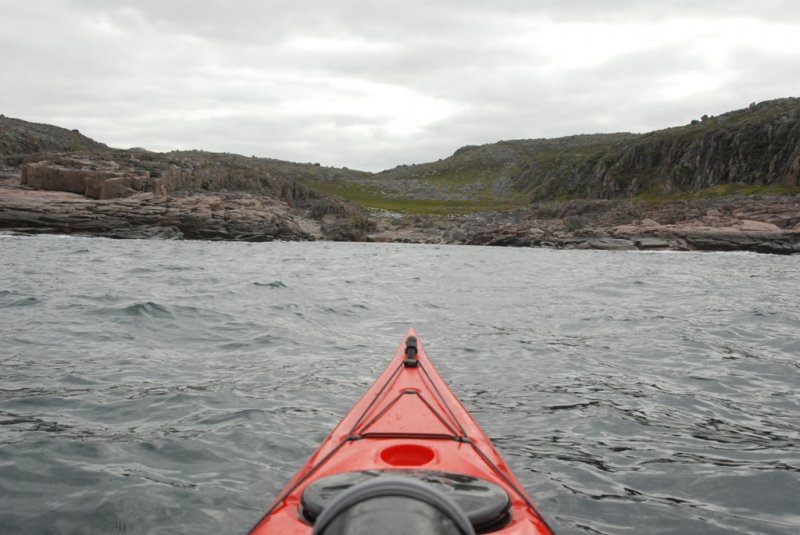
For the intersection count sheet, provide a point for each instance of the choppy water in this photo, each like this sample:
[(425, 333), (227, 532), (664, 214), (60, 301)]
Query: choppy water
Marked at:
[(174, 387)]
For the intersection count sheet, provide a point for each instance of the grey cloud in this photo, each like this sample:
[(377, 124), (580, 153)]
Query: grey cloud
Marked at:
[(221, 75), (269, 19), (766, 75)]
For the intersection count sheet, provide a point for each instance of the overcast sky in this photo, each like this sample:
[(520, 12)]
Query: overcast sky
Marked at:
[(371, 84)]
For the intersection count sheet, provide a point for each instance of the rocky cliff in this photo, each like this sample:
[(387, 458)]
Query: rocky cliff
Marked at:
[(759, 145), (190, 194), (211, 216)]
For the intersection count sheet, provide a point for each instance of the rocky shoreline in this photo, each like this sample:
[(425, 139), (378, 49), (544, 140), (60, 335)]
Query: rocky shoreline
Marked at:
[(135, 194), (219, 216), (763, 224), (758, 223), (54, 180)]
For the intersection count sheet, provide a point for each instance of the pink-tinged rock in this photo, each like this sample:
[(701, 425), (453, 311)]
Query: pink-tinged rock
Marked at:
[(749, 225), (159, 188), (54, 178), (95, 181), (117, 188), (627, 230)]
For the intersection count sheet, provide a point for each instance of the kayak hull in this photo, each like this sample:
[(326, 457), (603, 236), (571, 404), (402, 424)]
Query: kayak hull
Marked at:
[(408, 419)]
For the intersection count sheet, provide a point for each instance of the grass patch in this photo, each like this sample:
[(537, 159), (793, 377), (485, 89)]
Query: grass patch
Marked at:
[(371, 197), (442, 206)]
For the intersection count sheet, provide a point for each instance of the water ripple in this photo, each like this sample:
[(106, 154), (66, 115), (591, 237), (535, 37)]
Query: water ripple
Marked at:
[(173, 387)]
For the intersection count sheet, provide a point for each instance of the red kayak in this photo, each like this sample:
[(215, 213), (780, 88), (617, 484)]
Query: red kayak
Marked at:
[(407, 458)]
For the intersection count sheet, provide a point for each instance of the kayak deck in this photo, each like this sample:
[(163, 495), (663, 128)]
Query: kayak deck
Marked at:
[(409, 419)]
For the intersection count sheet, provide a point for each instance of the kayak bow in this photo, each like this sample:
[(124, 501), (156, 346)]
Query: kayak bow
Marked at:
[(407, 454)]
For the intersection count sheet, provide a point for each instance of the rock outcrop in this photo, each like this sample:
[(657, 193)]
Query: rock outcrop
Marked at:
[(210, 216), (121, 173), (759, 145), (104, 181), (190, 194), (764, 224)]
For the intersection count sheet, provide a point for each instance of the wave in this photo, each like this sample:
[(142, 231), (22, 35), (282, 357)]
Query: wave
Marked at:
[(148, 309), (274, 284), (11, 299)]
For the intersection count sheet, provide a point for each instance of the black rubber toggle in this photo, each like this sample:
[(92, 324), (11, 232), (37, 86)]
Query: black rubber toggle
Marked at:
[(411, 347), (411, 352)]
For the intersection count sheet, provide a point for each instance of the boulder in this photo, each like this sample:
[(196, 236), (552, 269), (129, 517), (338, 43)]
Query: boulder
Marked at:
[(759, 242), (647, 243), (611, 244)]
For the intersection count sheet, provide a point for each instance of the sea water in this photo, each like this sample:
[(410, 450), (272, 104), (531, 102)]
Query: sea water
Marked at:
[(175, 386)]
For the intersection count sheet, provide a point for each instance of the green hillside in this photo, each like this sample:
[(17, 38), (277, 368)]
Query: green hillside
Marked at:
[(750, 150)]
